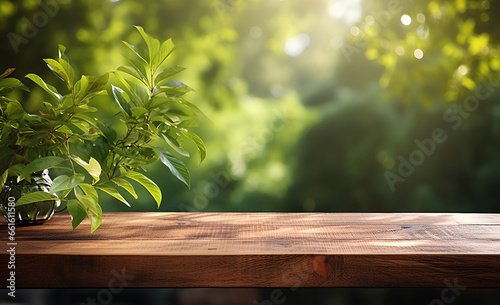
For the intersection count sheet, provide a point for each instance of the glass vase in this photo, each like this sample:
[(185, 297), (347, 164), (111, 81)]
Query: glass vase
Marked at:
[(32, 213)]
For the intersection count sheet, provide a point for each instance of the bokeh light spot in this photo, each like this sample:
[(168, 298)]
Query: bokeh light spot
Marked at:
[(6, 8), (354, 31), (348, 10), (423, 32), (420, 17), (369, 20), (400, 50), (418, 54), (485, 17), (405, 19), (255, 32), (296, 45), (463, 69)]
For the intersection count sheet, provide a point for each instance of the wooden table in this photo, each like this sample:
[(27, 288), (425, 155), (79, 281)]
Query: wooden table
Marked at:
[(260, 250)]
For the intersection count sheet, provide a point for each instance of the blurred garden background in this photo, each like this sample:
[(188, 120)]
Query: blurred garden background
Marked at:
[(314, 106)]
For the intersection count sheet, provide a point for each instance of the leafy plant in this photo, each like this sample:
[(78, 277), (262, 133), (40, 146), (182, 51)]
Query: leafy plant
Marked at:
[(15, 123), (98, 158)]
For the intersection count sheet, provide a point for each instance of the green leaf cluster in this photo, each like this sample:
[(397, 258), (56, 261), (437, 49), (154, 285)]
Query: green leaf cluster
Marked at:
[(67, 135), (153, 109)]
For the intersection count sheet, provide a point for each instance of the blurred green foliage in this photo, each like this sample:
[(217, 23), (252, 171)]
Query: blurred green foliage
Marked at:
[(311, 103)]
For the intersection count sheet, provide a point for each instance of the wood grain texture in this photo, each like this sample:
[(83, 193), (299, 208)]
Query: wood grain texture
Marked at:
[(260, 250)]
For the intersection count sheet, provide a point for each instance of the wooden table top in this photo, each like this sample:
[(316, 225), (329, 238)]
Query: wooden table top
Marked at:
[(260, 250)]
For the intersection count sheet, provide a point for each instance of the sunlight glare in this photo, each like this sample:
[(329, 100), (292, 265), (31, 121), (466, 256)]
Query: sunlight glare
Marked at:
[(296, 45), (400, 50), (348, 10), (420, 17), (418, 54), (405, 19), (463, 69)]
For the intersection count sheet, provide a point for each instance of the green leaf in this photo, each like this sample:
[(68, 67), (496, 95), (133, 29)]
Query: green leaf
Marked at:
[(172, 117), (128, 88), (88, 136), (162, 118), (159, 101), (99, 149), (108, 132), (62, 49), (93, 94), (138, 111), (93, 167), (5, 151), (64, 182), (80, 109), (188, 124), (5, 99), (48, 88), (113, 192), (89, 190), (174, 88), (38, 165), (64, 129), (120, 98), (64, 193), (197, 141), (138, 51), (134, 73), (142, 95), (175, 145), (152, 188), (82, 125), (35, 197), (13, 83), (98, 82), (69, 70), (153, 48), (145, 155), (4, 177), (141, 67), (176, 166), (166, 49), (67, 101), (165, 74), (85, 118), (59, 70), (197, 111), (126, 185), (14, 111), (77, 211), (64, 61), (16, 169), (81, 88), (93, 210), (90, 86)]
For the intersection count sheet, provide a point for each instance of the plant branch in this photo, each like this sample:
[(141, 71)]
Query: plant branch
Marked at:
[(69, 158), (72, 96)]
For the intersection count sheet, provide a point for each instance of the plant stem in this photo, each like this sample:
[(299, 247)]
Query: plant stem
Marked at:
[(115, 167), (72, 96), (129, 132), (69, 158)]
